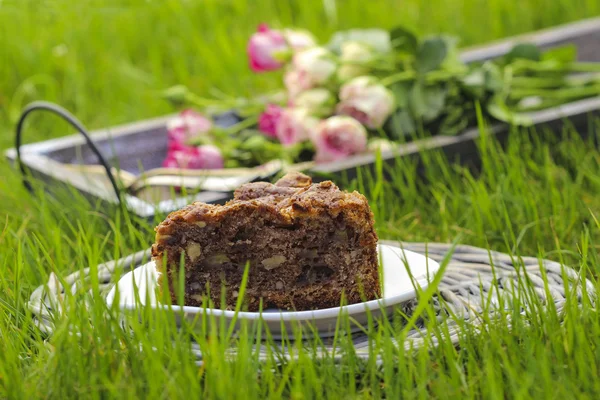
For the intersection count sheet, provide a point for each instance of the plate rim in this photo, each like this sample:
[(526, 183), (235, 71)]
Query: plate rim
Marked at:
[(305, 315)]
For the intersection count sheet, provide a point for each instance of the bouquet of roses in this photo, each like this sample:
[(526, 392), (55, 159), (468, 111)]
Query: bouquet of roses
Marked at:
[(329, 106), (364, 90)]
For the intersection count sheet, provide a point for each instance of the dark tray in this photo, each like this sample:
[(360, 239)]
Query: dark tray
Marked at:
[(144, 143)]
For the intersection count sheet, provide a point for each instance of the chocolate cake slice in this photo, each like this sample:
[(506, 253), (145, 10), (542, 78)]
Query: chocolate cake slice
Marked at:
[(306, 244)]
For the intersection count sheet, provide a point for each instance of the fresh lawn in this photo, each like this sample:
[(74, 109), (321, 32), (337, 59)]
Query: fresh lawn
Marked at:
[(106, 61)]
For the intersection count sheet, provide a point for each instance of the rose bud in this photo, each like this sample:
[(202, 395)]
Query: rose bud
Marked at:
[(267, 122), (187, 125), (367, 101), (339, 137), (191, 157), (295, 125), (299, 39), (355, 56), (315, 66), (267, 49), (319, 102)]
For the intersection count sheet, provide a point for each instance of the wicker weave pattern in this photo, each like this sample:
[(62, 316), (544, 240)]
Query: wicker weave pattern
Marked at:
[(473, 277)]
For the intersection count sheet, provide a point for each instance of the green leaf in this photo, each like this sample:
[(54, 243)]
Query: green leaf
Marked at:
[(401, 93), (455, 120), (200, 140), (232, 163), (453, 60), (176, 94), (527, 51), (430, 54), (427, 103), (402, 124), (379, 39), (417, 102), (493, 77), (564, 54), (474, 82), (255, 143), (220, 132), (435, 98), (451, 42), (403, 40), (475, 77)]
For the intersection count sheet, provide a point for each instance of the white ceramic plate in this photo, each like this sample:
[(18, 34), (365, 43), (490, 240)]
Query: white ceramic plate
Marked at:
[(397, 289)]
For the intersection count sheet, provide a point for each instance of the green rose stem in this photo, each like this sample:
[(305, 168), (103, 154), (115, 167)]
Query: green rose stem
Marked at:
[(533, 82), (585, 67), (519, 66), (223, 135), (542, 105), (376, 63), (180, 94), (431, 77), (399, 77), (558, 94), (537, 82), (245, 105), (240, 126), (527, 66)]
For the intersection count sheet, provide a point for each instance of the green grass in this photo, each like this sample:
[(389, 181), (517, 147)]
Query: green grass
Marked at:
[(105, 61), (532, 199)]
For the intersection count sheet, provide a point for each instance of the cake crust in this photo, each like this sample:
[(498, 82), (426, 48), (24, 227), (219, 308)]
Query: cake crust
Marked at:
[(306, 245)]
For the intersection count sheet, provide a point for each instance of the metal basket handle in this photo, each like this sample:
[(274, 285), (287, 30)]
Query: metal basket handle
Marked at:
[(70, 118)]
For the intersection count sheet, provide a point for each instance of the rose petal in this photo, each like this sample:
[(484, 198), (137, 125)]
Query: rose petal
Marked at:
[(339, 137), (263, 47), (268, 120)]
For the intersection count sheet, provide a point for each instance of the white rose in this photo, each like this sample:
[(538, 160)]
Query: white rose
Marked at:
[(299, 39), (315, 66), (317, 101), (367, 101), (355, 56)]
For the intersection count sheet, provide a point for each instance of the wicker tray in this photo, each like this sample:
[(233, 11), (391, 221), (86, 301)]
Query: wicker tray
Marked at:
[(473, 277)]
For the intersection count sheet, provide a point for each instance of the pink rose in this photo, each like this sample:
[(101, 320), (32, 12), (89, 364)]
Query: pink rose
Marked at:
[(266, 49), (191, 157), (267, 122), (367, 101), (339, 137), (295, 125), (186, 125)]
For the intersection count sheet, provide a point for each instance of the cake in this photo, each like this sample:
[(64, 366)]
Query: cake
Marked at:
[(306, 244)]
